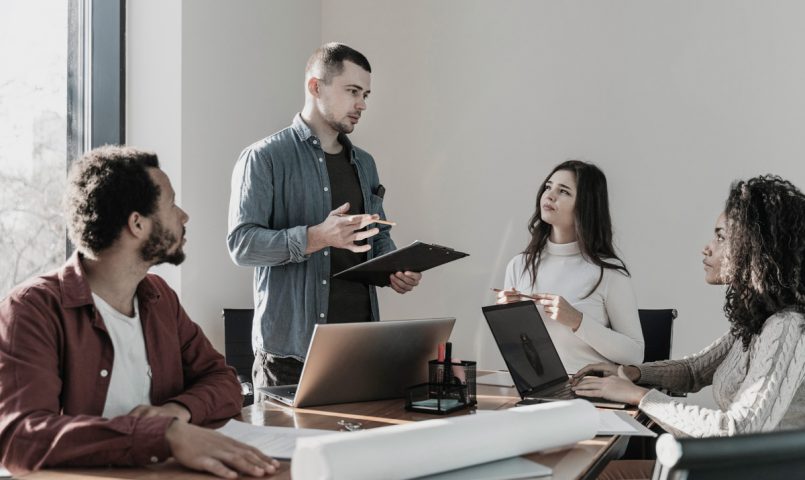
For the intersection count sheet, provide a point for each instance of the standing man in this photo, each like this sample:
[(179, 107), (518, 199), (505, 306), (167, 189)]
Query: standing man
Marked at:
[(99, 363), (301, 200)]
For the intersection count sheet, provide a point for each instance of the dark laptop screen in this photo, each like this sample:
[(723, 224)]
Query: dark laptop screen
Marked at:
[(525, 345)]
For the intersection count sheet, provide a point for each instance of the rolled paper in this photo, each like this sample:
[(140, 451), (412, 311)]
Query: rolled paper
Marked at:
[(423, 448)]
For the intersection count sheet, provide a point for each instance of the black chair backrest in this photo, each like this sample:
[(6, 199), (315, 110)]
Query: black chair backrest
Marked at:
[(768, 456), (658, 330), (238, 340)]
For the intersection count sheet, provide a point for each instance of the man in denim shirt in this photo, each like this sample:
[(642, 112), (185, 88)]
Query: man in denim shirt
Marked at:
[(301, 201)]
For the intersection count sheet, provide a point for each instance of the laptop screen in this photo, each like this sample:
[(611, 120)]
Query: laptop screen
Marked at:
[(525, 345)]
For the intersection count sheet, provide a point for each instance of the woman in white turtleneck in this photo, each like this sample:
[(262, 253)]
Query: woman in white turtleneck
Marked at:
[(571, 268)]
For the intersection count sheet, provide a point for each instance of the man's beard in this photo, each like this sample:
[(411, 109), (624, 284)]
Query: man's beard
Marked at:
[(339, 127), (157, 248)]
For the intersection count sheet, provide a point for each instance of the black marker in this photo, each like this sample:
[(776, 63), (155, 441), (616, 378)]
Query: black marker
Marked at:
[(448, 362)]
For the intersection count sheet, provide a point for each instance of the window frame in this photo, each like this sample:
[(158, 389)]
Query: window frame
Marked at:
[(96, 77)]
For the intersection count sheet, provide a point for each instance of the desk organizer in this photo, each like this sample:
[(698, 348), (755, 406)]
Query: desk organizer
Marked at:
[(446, 390)]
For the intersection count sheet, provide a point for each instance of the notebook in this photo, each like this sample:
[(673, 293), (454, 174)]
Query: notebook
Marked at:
[(530, 354), (355, 362)]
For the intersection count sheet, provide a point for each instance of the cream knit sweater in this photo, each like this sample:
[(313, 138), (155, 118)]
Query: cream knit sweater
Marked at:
[(757, 390)]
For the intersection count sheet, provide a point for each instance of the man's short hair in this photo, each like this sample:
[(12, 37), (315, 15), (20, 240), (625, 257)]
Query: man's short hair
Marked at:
[(328, 61), (104, 187)]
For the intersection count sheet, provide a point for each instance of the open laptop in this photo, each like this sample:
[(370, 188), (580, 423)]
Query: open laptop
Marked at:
[(355, 362), (530, 354)]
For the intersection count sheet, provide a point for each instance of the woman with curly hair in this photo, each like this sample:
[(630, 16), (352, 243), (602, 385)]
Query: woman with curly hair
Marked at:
[(757, 368), (571, 269)]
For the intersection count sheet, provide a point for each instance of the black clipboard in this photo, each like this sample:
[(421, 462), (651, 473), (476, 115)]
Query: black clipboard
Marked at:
[(417, 257)]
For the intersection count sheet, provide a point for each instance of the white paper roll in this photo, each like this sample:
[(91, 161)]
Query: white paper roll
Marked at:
[(431, 446)]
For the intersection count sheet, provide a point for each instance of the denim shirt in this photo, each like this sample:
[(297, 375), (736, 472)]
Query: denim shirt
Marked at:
[(280, 186)]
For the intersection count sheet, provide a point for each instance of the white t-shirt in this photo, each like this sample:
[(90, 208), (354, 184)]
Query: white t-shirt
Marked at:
[(610, 327), (130, 384)]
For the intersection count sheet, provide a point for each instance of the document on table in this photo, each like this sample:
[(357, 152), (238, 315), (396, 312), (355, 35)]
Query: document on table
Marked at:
[(611, 422), (500, 378), (508, 469), (276, 442)]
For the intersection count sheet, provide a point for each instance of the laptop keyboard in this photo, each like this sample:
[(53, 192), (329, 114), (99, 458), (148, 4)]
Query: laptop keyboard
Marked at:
[(564, 392)]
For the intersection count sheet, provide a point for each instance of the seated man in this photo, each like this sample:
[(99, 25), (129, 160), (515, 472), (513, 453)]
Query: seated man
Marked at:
[(99, 363)]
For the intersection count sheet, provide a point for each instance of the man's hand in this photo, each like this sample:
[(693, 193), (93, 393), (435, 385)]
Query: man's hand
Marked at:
[(403, 282), (340, 230), (207, 450), (170, 409), (557, 308), (612, 388)]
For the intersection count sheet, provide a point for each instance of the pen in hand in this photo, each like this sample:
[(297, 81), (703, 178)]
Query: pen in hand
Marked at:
[(498, 290), (381, 222)]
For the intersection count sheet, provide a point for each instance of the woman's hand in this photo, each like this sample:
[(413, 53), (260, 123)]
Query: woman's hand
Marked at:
[(613, 387), (595, 370), (510, 295), (557, 308)]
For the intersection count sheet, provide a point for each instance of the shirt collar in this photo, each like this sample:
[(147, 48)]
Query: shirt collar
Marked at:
[(306, 134), (75, 290), (563, 249)]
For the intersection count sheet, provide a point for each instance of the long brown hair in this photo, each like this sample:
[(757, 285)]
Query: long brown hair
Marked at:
[(593, 223)]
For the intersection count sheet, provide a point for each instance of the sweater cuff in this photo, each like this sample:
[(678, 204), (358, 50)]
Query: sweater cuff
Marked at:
[(650, 375), (653, 402), (149, 444)]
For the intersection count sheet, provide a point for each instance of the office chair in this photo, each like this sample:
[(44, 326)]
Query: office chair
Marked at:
[(657, 326), (238, 347), (770, 456)]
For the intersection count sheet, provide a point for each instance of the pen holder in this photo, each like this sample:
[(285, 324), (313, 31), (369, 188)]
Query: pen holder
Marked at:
[(446, 390)]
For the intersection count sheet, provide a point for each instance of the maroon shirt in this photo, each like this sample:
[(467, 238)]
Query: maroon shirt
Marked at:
[(56, 361)]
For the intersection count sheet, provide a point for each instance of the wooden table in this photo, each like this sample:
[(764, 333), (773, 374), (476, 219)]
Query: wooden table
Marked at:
[(582, 461)]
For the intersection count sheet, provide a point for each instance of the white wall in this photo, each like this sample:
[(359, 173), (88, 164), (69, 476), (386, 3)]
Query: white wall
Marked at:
[(154, 90), (473, 102)]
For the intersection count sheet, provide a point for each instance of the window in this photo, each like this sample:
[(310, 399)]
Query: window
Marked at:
[(61, 92)]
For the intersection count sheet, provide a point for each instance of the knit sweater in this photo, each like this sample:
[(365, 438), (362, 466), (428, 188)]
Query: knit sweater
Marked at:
[(610, 327), (757, 390)]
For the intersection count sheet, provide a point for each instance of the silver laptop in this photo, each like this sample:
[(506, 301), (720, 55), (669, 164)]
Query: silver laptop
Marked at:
[(531, 356), (355, 362)]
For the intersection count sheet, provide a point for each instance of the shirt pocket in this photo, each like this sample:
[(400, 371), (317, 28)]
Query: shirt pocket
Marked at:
[(375, 205)]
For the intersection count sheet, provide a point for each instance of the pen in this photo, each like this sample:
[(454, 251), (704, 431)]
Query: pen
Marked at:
[(448, 362), (381, 222), (521, 294)]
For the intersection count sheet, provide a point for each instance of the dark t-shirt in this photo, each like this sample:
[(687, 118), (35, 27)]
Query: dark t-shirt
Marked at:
[(349, 301)]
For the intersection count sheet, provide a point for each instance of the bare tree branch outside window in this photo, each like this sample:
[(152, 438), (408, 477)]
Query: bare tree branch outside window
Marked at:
[(33, 111)]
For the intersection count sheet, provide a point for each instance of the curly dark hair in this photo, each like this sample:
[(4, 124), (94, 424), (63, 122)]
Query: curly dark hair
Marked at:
[(104, 187), (593, 222), (765, 255)]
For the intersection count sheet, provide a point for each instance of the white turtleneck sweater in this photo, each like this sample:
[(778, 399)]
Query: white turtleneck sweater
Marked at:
[(610, 327)]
